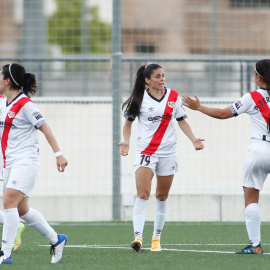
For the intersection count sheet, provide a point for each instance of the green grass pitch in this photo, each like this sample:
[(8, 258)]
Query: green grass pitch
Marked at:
[(106, 245)]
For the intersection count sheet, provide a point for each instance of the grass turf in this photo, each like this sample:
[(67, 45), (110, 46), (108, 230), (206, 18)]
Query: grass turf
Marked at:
[(106, 245)]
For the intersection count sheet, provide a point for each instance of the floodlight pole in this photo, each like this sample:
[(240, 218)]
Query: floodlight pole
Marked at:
[(116, 108)]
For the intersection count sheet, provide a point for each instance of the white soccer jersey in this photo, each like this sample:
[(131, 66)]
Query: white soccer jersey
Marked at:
[(256, 104), (2, 104), (19, 122), (156, 132)]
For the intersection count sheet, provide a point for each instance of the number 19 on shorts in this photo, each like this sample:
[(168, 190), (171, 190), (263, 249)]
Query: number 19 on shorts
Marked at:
[(145, 160)]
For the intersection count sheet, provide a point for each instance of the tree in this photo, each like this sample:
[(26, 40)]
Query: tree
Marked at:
[(65, 29)]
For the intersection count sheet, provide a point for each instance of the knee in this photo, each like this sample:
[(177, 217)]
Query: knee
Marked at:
[(143, 195), (161, 197), (9, 203)]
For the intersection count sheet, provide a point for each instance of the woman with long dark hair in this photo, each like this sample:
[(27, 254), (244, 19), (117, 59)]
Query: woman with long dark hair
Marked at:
[(156, 107), (19, 121)]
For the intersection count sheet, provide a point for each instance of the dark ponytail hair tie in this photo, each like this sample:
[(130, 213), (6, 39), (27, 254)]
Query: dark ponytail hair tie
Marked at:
[(27, 75)]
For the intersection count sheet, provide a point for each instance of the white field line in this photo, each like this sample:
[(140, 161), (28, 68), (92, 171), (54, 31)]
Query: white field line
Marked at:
[(146, 224), (163, 249)]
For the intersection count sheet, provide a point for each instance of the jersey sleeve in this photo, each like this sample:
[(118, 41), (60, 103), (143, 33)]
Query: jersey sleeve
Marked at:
[(242, 105), (180, 113), (33, 115)]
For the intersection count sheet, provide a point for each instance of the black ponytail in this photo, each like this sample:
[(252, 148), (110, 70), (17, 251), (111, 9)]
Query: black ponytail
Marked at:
[(20, 79), (133, 104)]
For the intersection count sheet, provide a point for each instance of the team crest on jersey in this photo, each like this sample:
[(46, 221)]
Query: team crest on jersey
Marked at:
[(171, 104), (11, 114)]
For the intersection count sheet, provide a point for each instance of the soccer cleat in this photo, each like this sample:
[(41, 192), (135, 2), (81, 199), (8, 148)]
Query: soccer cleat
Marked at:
[(18, 240), (5, 260), (137, 244), (251, 250), (155, 245), (57, 249)]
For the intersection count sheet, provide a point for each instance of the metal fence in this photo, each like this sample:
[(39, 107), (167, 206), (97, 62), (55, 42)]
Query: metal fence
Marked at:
[(92, 76)]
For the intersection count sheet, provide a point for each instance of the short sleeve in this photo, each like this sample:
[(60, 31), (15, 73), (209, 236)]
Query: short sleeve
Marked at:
[(33, 115), (180, 113), (243, 105)]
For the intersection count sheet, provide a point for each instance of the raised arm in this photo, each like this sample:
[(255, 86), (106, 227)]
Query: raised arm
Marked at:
[(124, 146), (185, 127), (194, 104), (61, 162)]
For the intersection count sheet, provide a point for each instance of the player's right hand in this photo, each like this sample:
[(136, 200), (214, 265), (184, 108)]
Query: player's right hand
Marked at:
[(124, 148), (193, 104)]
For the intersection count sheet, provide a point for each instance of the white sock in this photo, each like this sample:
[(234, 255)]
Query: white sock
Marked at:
[(38, 222), (10, 228), (139, 213), (160, 217), (253, 223), (1, 218)]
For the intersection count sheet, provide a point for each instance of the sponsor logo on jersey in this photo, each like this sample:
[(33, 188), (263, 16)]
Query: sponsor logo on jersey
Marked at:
[(11, 114), (159, 118), (238, 104), (261, 102), (37, 115), (5, 124), (171, 104), (151, 109)]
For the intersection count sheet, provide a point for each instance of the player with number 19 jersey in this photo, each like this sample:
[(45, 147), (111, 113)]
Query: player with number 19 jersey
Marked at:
[(156, 132), (19, 121)]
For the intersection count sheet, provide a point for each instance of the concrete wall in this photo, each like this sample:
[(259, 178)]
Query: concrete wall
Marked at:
[(199, 208)]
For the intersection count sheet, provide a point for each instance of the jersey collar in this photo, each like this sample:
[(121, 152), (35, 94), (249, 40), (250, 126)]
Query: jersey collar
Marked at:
[(159, 100), (7, 104)]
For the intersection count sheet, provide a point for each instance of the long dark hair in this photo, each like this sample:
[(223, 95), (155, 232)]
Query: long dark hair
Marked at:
[(262, 68), (20, 78), (133, 104)]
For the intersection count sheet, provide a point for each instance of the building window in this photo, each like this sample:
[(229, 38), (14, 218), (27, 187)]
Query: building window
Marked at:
[(250, 3), (145, 49)]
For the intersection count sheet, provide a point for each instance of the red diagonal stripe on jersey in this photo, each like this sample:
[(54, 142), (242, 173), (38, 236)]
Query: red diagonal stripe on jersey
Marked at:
[(261, 104), (157, 138), (8, 123)]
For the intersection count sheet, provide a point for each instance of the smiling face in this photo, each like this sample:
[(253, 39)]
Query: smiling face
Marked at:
[(157, 79)]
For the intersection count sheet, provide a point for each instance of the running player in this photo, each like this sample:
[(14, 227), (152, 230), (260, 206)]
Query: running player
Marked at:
[(19, 121), (155, 108), (257, 164), (18, 241)]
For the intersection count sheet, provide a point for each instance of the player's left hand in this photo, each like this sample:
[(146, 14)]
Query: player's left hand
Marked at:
[(61, 163), (198, 144)]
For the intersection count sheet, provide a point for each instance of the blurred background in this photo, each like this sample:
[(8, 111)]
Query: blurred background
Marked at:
[(85, 54)]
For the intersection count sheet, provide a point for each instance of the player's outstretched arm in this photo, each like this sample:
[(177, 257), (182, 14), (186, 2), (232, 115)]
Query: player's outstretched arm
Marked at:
[(124, 146), (185, 127), (61, 161), (194, 104)]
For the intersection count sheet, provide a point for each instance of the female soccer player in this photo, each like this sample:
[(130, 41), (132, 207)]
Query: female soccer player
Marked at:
[(19, 121), (155, 108), (21, 227), (257, 165)]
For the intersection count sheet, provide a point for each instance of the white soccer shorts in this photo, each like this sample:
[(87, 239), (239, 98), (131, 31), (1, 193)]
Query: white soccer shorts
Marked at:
[(21, 177), (162, 166), (257, 164)]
